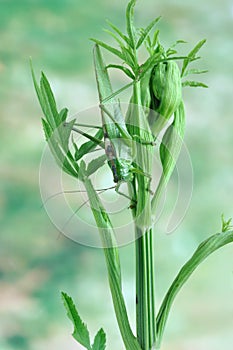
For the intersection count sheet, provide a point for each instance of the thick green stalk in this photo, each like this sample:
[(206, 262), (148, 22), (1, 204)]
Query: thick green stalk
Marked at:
[(138, 125), (145, 303), (113, 266)]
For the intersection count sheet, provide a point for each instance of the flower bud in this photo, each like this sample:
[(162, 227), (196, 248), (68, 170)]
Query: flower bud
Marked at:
[(166, 94)]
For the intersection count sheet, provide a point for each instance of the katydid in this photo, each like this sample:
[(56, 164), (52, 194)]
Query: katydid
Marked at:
[(123, 169)]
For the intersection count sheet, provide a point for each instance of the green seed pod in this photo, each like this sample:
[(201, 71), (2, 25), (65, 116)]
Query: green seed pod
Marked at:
[(166, 94)]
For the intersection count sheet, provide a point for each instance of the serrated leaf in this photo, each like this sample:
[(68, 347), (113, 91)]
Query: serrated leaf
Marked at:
[(193, 84), (109, 48), (123, 69), (146, 31), (80, 332), (192, 55), (99, 341), (95, 164)]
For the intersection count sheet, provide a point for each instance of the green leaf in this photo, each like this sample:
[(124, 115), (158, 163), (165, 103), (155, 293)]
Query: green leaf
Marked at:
[(37, 88), (192, 55), (117, 30), (226, 224), (80, 332), (63, 114), (155, 38), (130, 22), (62, 159), (206, 248), (114, 36), (105, 90), (194, 71), (109, 48), (48, 131), (52, 115), (89, 146), (124, 69), (171, 52), (146, 31), (193, 84), (128, 57), (95, 164), (150, 62), (64, 131), (99, 341)]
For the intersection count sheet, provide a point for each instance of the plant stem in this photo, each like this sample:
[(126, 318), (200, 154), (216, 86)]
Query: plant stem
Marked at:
[(145, 303)]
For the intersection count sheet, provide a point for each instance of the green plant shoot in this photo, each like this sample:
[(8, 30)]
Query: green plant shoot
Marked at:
[(129, 142)]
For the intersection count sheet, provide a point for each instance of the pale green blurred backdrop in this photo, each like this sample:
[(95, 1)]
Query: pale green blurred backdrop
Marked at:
[(35, 262)]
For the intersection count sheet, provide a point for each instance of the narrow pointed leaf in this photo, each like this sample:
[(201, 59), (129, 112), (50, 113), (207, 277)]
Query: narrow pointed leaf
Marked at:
[(194, 71), (37, 88), (63, 161), (194, 84), (89, 146), (80, 332), (63, 114), (146, 31), (130, 22), (155, 38), (123, 69), (49, 101), (115, 37), (48, 131), (99, 341), (192, 55), (95, 164), (109, 48), (117, 30), (105, 90), (64, 131), (128, 56)]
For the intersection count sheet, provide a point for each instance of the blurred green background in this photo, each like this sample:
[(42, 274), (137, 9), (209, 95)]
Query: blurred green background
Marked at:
[(35, 262)]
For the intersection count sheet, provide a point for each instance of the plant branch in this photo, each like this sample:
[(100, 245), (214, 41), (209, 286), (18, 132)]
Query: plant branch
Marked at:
[(206, 248)]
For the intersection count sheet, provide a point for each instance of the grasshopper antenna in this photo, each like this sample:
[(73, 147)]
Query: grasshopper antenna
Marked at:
[(101, 190), (82, 205)]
